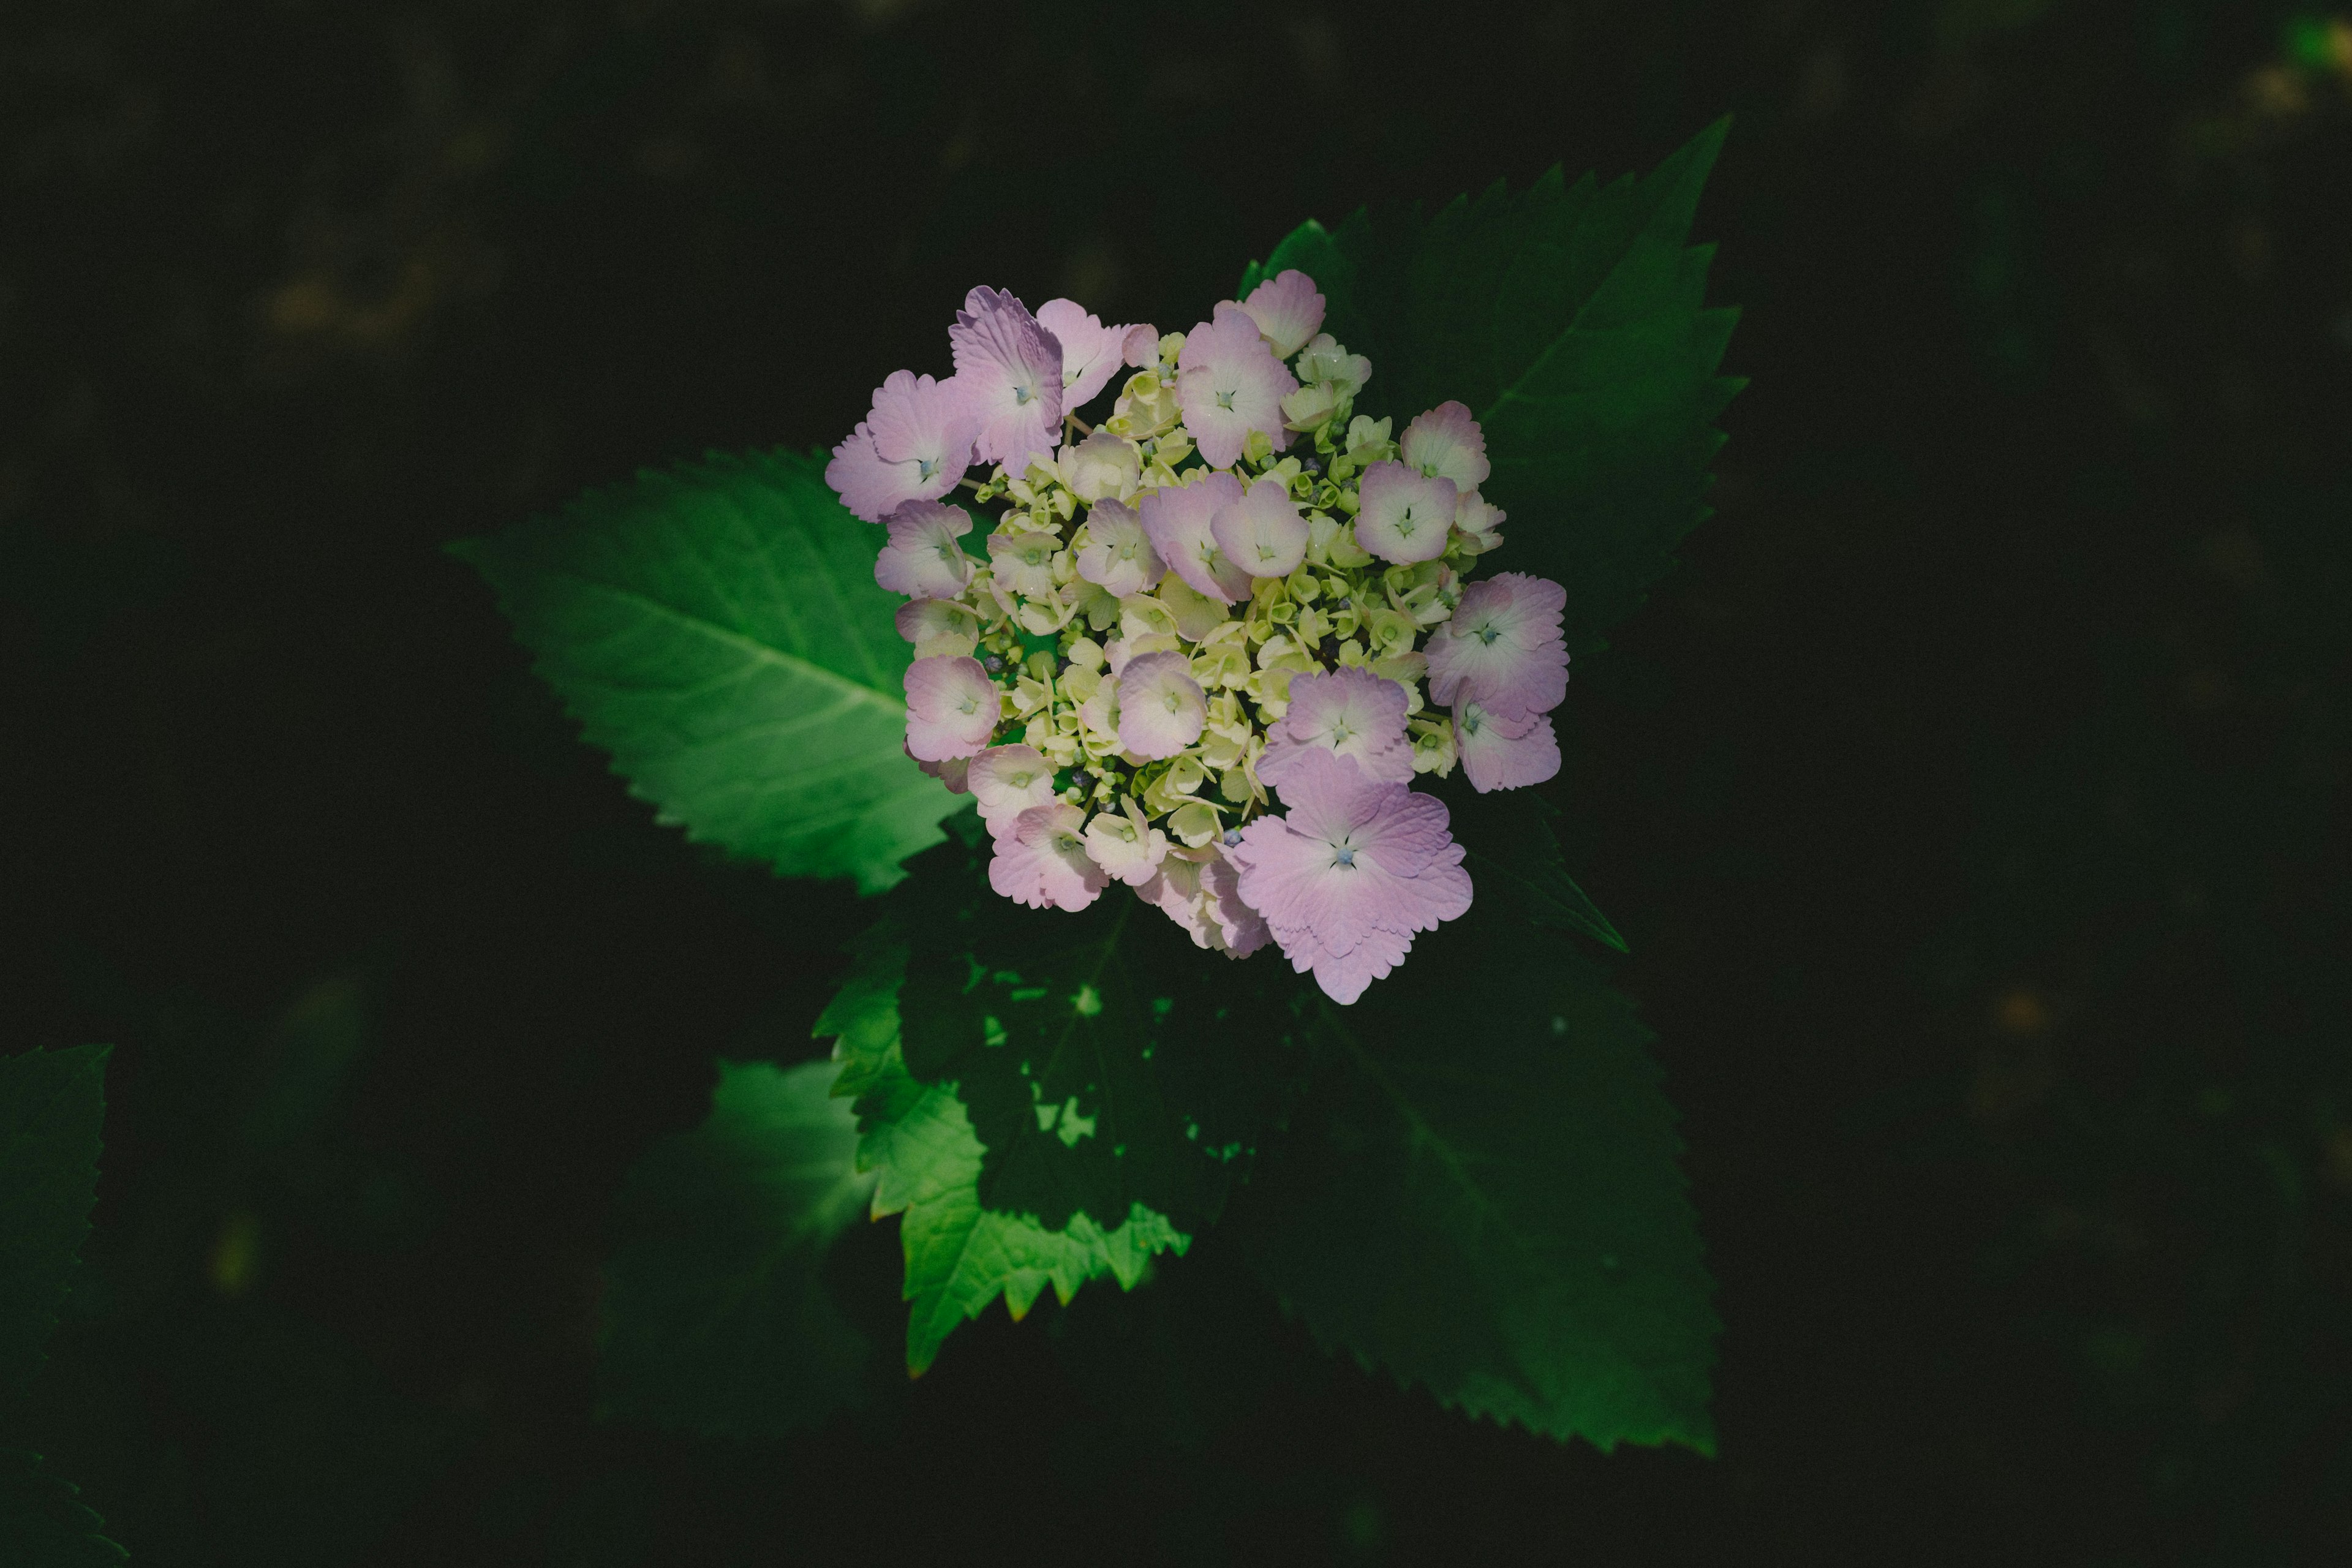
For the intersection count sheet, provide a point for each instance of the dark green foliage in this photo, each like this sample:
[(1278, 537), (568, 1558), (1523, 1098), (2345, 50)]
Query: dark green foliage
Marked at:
[(925, 1160), (44, 1522), (718, 630), (51, 1104), (715, 1318), (1511, 851), (1570, 320), (1104, 1060), (1480, 1195)]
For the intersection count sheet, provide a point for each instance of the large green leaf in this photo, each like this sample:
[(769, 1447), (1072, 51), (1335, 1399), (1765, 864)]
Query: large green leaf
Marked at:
[(1511, 849), (919, 1144), (1480, 1195), (51, 1104), (715, 1318), (44, 1522), (1570, 320), (719, 631), (1105, 1060)]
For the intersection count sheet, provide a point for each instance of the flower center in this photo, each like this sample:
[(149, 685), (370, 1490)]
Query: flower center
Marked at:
[(1064, 843), (1346, 856), (1174, 702), (1225, 400), (1405, 520), (1020, 395), (926, 466), (969, 705), (1488, 634)]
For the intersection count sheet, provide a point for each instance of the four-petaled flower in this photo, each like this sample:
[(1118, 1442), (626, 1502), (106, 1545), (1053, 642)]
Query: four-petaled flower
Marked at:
[(1160, 708), (1405, 514), (1009, 376), (923, 560), (951, 708), (1351, 714), (1117, 556), (1007, 781), (1041, 860), (1229, 386), (1502, 648), (913, 445), (1447, 444), (1263, 533), (1347, 877)]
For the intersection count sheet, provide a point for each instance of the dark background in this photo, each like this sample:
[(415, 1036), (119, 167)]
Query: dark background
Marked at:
[(1974, 799)]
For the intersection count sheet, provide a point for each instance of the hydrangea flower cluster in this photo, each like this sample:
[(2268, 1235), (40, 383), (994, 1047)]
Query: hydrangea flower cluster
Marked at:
[(1204, 647)]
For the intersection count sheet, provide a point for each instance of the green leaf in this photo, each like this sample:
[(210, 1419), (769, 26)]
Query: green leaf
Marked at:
[(1105, 1061), (51, 1104), (43, 1522), (719, 631), (1571, 321), (1481, 1196), (920, 1144), (1511, 849), (715, 1318)]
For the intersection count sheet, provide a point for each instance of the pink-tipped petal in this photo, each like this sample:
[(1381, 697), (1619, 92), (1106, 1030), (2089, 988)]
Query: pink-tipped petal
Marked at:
[(1160, 708), (1288, 310), (1229, 383), (1502, 648), (1119, 557), (1447, 444), (1009, 376), (1497, 753), (1041, 860), (913, 445), (1178, 521), (953, 773), (951, 708), (922, 559), (1007, 781), (1404, 515), (1141, 347), (1263, 533), (1351, 714)]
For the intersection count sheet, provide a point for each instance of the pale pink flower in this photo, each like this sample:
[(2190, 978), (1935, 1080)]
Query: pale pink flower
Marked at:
[(1178, 521), (1041, 860), (1404, 515), (1160, 708), (1009, 375), (1351, 714), (1228, 383), (951, 708), (1091, 352), (1126, 845), (1497, 753), (913, 445), (1349, 873), (1007, 781), (1447, 444), (923, 560), (1200, 890), (1119, 557), (1288, 310), (1502, 648), (1263, 533)]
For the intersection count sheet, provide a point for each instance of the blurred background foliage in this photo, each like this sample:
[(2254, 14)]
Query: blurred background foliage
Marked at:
[(1974, 801)]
